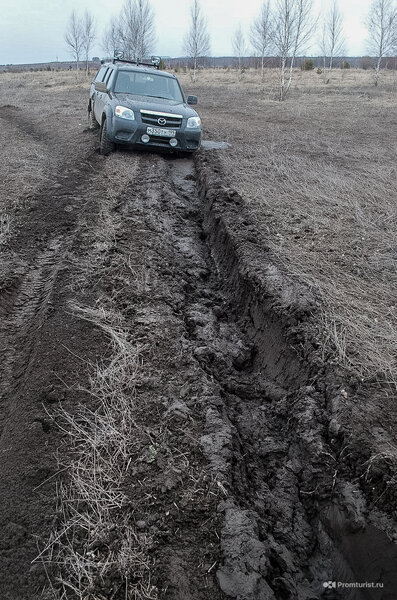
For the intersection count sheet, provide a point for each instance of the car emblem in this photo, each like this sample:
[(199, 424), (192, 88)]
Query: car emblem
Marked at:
[(162, 121)]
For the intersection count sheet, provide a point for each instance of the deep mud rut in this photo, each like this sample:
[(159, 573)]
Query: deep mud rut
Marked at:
[(252, 488)]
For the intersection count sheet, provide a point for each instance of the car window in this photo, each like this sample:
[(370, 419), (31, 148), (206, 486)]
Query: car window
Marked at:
[(105, 73), (148, 84), (99, 75), (110, 78), (108, 75)]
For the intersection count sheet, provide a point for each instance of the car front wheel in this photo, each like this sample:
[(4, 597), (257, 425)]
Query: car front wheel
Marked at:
[(106, 146)]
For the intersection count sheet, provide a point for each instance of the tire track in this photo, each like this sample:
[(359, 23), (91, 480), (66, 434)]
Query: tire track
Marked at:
[(262, 437), (266, 423), (39, 343), (296, 504), (24, 314), (18, 118)]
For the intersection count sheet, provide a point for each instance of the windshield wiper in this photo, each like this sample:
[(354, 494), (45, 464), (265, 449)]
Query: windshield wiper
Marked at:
[(162, 97)]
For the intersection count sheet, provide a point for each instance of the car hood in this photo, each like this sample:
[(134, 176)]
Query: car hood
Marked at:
[(157, 104)]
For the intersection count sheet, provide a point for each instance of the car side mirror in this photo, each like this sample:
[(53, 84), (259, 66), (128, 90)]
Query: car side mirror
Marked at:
[(192, 99), (101, 87)]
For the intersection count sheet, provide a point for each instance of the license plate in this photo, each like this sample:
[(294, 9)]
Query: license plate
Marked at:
[(163, 132)]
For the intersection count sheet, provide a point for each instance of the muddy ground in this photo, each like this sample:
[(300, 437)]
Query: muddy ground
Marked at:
[(169, 426)]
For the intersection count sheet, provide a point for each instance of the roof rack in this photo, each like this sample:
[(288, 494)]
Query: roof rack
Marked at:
[(119, 57)]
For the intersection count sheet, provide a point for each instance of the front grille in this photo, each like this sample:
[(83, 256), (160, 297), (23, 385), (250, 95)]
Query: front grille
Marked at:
[(149, 119)]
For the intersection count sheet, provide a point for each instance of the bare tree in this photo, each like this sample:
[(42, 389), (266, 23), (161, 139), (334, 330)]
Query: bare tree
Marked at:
[(146, 35), (197, 40), (293, 26), (332, 41), (111, 39), (239, 46), (261, 34), (136, 29), (128, 30), (382, 30), (89, 34), (74, 37)]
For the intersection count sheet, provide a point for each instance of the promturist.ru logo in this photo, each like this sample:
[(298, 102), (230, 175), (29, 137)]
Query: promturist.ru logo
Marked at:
[(329, 584)]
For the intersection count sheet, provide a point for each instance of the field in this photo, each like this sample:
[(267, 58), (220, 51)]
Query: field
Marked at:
[(198, 356)]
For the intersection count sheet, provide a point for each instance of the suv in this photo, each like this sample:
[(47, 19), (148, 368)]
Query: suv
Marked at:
[(138, 105)]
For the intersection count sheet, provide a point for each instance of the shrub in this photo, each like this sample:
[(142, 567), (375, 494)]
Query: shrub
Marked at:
[(307, 65), (366, 62)]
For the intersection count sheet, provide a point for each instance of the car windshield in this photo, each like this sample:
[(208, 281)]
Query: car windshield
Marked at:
[(148, 84)]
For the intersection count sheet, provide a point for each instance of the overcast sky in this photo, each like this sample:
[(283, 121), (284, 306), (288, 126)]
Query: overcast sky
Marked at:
[(33, 30)]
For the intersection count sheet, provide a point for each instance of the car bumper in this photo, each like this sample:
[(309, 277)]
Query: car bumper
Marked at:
[(131, 134)]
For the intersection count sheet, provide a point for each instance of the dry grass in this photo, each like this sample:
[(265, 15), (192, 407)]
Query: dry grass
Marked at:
[(24, 167), (16, 83), (318, 171), (34, 140), (97, 545)]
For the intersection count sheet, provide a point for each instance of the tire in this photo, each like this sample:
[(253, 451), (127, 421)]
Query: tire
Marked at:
[(106, 146), (92, 122)]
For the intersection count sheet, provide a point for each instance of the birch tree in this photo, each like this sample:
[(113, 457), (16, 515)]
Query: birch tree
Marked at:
[(111, 40), (74, 37), (197, 40), (382, 28), (89, 34), (293, 26), (145, 22), (332, 41), (261, 34), (128, 30), (136, 29), (239, 46)]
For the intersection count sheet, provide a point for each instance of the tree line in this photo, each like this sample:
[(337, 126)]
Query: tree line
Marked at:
[(282, 28)]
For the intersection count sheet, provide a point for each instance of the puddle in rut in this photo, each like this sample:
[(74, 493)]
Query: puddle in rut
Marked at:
[(210, 145), (367, 557)]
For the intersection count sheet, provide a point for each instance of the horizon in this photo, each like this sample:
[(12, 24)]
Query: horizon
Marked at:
[(209, 57)]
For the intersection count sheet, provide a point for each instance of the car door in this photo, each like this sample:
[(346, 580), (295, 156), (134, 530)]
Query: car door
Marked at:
[(98, 98)]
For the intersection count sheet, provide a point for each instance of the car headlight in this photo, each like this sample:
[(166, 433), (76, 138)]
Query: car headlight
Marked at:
[(124, 113), (193, 122)]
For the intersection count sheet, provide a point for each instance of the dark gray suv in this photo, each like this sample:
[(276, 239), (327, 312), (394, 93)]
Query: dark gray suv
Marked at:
[(138, 105)]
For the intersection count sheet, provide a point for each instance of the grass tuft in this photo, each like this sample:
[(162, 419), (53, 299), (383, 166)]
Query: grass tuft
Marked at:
[(97, 545)]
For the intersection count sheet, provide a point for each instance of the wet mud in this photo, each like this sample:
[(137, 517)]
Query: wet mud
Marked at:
[(307, 519), (259, 490)]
